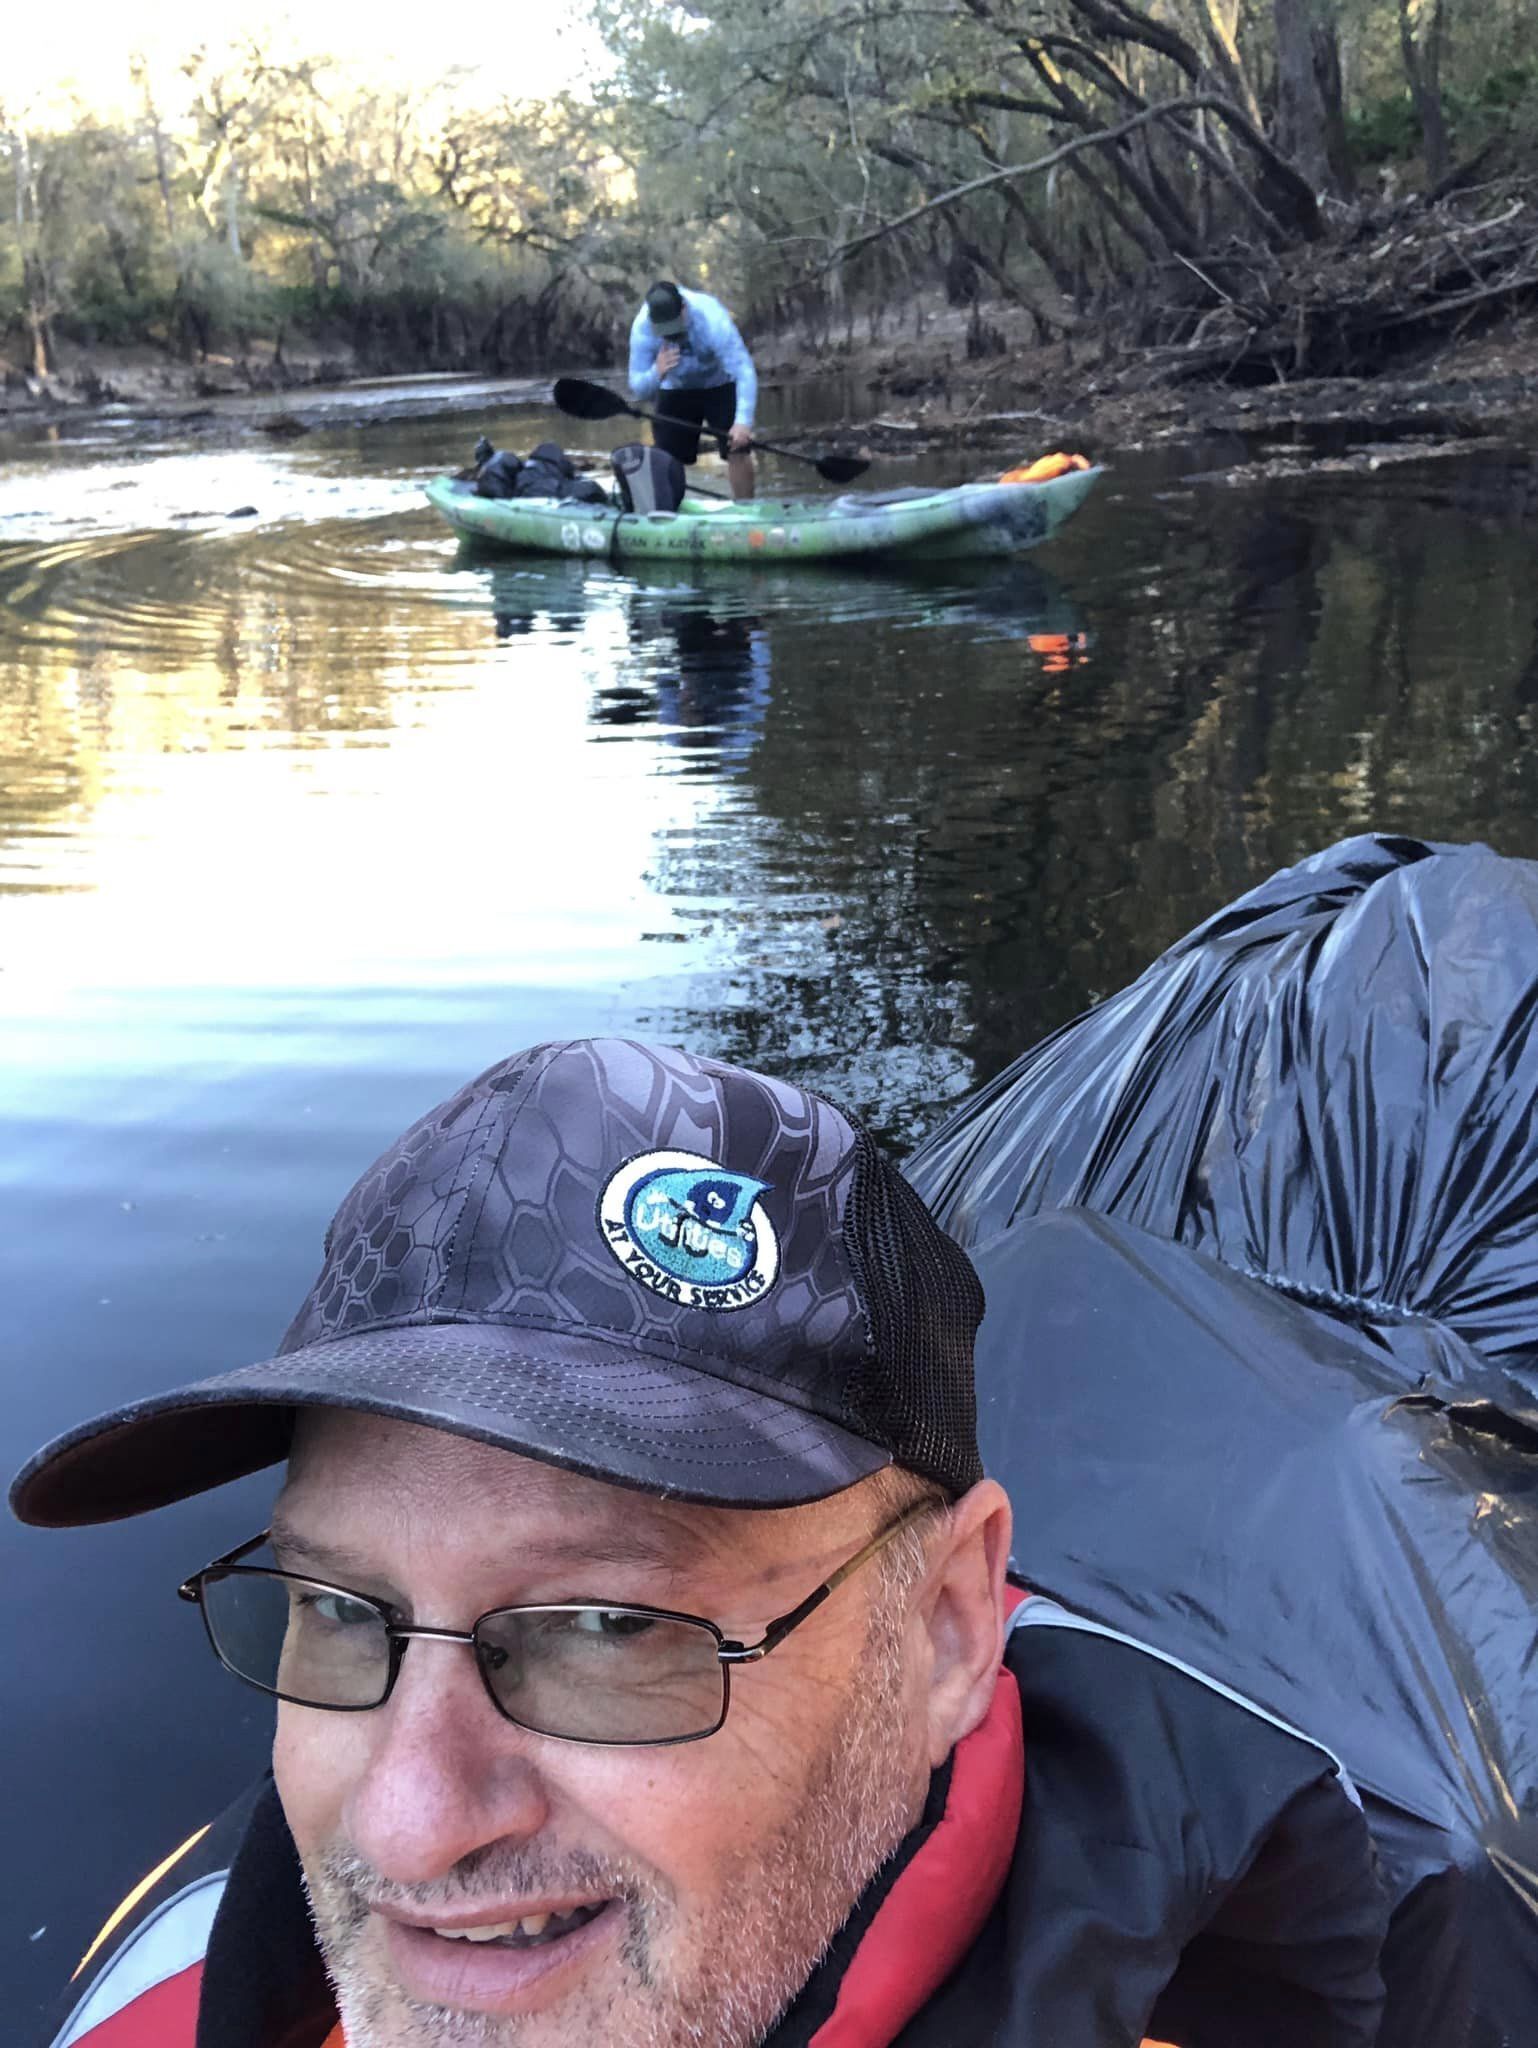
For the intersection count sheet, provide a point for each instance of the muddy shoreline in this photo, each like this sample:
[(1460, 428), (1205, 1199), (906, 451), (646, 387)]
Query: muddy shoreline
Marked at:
[(916, 395), (933, 394)]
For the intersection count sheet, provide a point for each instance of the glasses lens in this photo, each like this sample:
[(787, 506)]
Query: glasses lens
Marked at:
[(603, 1674), (311, 1643)]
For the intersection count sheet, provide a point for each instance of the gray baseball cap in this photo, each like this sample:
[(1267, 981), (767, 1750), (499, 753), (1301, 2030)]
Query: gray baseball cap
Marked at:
[(656, 1269), (666, 308)]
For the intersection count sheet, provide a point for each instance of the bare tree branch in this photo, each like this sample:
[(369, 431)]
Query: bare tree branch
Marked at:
[(1211, 102)]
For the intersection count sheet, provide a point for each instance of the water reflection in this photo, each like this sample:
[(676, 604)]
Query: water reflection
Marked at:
[(697, 669), (987, 784), (961, 853), (708, 674)]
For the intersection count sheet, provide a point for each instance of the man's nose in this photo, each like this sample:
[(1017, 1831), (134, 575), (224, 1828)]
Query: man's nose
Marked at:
[(445, 1774)]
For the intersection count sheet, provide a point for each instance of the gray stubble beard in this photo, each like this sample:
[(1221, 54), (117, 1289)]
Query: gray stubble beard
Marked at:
[(780, 1904)]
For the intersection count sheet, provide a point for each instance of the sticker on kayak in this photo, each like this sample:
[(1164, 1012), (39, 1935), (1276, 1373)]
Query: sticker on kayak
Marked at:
[(690, 1230)]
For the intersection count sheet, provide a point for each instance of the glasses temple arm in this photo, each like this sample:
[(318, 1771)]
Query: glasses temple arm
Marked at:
[(778, 1630), (188, 1589)]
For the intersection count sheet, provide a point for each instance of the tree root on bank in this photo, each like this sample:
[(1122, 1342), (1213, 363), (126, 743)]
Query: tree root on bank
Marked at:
[(1384, 283)]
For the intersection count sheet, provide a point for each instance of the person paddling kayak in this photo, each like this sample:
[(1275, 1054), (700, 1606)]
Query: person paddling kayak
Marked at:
[(687, 357)]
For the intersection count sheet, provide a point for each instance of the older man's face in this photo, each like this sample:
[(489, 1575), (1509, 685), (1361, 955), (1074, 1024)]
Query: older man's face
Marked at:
[(689, 1891)]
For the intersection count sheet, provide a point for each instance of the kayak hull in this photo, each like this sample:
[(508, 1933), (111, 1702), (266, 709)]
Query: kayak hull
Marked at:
[(971, 520)]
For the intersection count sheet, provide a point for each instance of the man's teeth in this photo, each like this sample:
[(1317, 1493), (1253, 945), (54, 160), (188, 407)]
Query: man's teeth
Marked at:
[(531, 1927), (535, 1923)]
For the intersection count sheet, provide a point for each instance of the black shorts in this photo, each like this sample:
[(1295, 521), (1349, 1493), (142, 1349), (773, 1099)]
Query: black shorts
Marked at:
[(715, 407)]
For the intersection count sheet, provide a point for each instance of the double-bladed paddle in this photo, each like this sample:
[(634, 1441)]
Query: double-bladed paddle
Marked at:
[(584, 401)]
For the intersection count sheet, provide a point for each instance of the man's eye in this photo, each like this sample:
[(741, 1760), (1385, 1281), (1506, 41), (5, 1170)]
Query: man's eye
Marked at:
[(612, 1624), (337, 1609)]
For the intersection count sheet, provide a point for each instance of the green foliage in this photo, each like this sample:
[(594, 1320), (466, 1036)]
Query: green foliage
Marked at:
[(12, 289), (222, 297), (1502, 103), (1384, 131), (275, 201), (1498, 103), (1508, 90), (755, 150)]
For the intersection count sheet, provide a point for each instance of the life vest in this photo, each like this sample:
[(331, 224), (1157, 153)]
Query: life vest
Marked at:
[(1044, 468), (1122, 1855), (1059, 651)]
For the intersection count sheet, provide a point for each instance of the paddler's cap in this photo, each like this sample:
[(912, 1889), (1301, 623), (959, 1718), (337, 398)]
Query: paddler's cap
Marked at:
[(666, 308), (617, 1258)]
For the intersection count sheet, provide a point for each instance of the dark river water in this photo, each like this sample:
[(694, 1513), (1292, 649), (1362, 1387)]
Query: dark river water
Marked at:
[(304, 819)]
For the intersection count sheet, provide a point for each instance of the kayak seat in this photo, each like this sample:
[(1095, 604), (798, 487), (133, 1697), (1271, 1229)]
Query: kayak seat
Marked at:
[(647, 480)]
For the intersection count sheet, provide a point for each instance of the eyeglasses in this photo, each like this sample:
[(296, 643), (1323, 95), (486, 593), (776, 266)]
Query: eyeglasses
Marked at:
[(614, 1675)]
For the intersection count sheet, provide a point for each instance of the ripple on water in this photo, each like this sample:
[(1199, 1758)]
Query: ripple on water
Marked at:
[(145, 559), (169, 594), (165, 599)]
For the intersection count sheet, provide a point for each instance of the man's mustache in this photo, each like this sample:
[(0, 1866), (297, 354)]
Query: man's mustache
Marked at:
[(496, 1873)]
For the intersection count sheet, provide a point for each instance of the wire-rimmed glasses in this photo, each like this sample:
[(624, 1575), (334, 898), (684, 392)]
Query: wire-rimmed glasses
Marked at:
[(610, 1673)]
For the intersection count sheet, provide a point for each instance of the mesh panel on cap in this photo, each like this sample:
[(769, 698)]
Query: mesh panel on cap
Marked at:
[(924, 1301)]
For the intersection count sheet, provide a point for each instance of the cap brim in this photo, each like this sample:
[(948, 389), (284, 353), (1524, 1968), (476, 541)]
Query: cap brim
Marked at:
[(578, 1402), (671, 329)]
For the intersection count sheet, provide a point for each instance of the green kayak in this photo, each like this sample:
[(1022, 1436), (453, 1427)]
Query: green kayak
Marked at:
[(973, 519)]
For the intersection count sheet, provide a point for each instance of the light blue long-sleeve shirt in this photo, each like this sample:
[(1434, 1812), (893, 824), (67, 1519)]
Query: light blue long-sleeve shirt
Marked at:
[(713, 353)]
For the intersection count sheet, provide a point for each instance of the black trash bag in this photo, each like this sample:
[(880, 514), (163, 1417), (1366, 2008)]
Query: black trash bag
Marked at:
[(1260, 1363), (551, 473), (547, 473), (648, 479), (497, 474), (1332, 1084)]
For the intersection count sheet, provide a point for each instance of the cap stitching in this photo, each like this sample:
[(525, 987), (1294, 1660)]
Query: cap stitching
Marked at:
[(479, 1184), (848, 1170), (451, 1232)]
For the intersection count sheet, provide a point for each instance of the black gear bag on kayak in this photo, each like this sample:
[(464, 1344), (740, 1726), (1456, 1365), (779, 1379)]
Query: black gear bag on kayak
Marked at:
[(649, 479), (1260, 1365), (497, 474), (547, 473)]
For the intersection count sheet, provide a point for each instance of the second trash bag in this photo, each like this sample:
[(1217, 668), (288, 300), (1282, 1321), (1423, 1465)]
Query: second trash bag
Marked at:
[(1260, 1365)]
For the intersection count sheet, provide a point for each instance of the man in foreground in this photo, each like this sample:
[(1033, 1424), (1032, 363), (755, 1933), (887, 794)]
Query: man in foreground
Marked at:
[(688, 360), (648, 1668)]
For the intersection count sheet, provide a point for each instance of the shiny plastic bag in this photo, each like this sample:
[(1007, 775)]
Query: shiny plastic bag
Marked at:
[(1260, 1363)]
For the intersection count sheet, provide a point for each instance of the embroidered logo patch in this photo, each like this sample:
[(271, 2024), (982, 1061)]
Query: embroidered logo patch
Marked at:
[(690, 1230)]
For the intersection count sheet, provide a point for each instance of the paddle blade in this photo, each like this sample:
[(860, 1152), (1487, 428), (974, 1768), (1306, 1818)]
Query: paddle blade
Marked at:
[(842, 469), (584, 401)]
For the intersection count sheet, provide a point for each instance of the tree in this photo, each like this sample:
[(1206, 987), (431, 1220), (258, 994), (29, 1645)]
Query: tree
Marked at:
[(1310, 113), (31, 192), (1421, 28)]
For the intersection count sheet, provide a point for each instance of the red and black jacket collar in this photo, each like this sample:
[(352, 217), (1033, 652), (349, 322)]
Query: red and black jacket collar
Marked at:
[(1170, 1863), (923, 1911)]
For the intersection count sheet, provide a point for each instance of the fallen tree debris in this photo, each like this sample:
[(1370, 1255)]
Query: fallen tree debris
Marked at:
[(1348, 305)]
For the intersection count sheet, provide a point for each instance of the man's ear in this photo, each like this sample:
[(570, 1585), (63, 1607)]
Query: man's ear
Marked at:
[(963, 1612)]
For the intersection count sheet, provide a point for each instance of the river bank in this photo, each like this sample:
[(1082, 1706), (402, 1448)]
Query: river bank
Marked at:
[(942, 391), (158, 400), (1487, 397), (145, 378), (976, 381), (1409, 317)]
